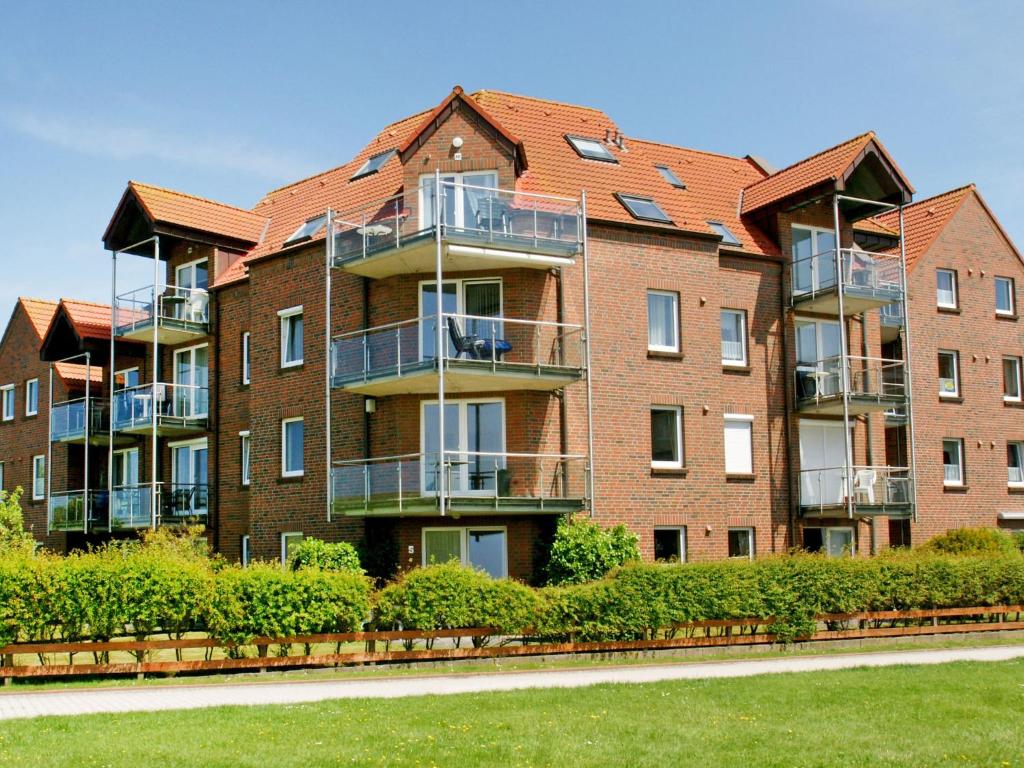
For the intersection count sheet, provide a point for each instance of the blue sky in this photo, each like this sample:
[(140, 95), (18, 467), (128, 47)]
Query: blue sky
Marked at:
[(227, 101)]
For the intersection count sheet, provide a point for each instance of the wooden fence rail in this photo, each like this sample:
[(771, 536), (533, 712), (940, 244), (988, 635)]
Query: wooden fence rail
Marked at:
[(716, 633)]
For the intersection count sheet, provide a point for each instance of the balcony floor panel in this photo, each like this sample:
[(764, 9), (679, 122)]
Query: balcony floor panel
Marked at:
[(464, 376), (895, 511), (833, 406), (167, 427), (855, 300), (169, 332), (466, 505)]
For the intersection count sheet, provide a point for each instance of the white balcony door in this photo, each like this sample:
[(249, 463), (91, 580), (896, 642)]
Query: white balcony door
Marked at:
[(822, 462), (191, 382), (480, 298), (813, 259), (189, 478), (461, 203), (194, 275), (818, 348), (126, 504), (471, 428)]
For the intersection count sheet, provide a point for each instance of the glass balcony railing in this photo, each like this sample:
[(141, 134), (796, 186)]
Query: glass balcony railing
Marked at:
[(173, 307), (131, 507), (484, 343), (502, 218), (868, 378), (68, 419), (861, 273), (67, 510), (871, 487), (135, 407), (474, 480), (185, 501), (892, 314)]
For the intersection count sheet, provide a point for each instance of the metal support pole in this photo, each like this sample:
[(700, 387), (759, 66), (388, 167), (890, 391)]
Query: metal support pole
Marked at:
[(587, 336), (112, 385), (154, 450), (49, 457), (88, 438), (328, 266), (844, 372), (906, 368), (439, 342)]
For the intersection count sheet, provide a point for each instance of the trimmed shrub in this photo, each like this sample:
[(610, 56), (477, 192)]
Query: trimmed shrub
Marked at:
[(314, 553), (973, 541), (13, 537), (582, 551)]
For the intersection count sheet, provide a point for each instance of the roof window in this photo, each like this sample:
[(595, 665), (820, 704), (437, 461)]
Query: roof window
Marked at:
[(592, 149), (373, 164), (669, 175), (643, 208), (728, 238), (307, 230)]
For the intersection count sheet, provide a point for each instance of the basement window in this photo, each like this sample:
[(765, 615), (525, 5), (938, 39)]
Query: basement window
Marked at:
[(592, 149), (669, 175), (373, 164), (307, 230), (728, 238), (643, 208)]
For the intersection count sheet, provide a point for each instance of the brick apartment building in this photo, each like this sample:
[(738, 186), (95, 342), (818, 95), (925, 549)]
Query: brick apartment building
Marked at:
[(644, 333)]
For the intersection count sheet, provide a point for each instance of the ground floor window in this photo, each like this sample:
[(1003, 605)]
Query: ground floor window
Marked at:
[(835, 542), (670, 544), (485, 549), (741, 543), (245, 555), (38, 477), (899, 533), (289, 542)]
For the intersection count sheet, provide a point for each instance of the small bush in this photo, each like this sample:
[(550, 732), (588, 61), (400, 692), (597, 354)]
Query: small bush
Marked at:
[(13, 537), (583, 551), (973, 541), (314, 553)]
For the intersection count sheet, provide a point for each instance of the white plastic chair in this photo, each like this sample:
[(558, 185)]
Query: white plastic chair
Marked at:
[(864, 485), (197, 304)]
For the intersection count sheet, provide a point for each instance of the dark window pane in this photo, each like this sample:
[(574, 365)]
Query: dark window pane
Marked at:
[(667, 544), (739, 542), (813, 541), (663, 436)]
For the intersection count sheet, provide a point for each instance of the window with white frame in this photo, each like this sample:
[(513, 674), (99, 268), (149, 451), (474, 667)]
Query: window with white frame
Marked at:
[(477, 300), (32, 397), (1006, 299), (246, 452), (946, 289), (289, 543), (949, 373), (38, 477), (291, 336), (663, 321), (741, 543), (292, 440), (1, 475), (126, 379), (1015, 463), (246, 554), (7, 396), (1011, 379), (833, 541), (734, 337), (953, 461), (482, 547), (739, 453), (666, 437), (245, 357), (670, 543)]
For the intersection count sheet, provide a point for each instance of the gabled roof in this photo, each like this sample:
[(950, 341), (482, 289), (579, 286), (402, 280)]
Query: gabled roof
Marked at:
[(40, 313), (75, 373), (90, 320), (830, 165)]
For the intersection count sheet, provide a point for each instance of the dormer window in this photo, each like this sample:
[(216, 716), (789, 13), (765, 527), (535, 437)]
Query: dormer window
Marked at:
[(373, 164), (592, 149), (728, 238), (307, 230), (670, 176), (643, 208)]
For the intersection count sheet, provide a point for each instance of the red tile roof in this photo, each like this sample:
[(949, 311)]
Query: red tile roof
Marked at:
[(191, 212), (924, 220), (40, 312), (74, 373), (91, 320)]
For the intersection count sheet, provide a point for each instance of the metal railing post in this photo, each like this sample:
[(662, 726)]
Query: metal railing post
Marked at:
[(439, 339)]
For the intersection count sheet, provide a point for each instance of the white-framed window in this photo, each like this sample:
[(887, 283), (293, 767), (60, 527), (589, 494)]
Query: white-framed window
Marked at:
[(38, 477), (474, 443), (192, 382), (946, 289), (953, 461), (246, 550), (670, 543), (469, 201), (1011, 379), (1006, 298), (662, 321), (741, 543), (666, 437), (245, 357), (1015, 463), (290, 540), (1, 475), (814, 259), (291, 336), (734, 337), (739, 451), (7, 396), (245, 446), (126, 378), (833, 541), (482, 547), (949, 373), (478, 298), (292, 447), (32, 397)]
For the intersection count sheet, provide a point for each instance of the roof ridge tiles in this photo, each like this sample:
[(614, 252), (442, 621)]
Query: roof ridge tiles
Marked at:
[(833, 148), (238, 209), (538, 99)]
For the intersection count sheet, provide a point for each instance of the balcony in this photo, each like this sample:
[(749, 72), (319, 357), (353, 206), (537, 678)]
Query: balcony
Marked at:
[(131, 507), (867, 281), (185, 503), (179, 314), (68, 422), (174, 409), (67, 511), (482, 228), (873, 384), (892, 322), (482, 354), (476, 483), (885, 491)]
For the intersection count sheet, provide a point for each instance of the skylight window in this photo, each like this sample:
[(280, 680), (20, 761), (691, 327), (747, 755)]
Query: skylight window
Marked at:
[(728, 238), (592, 149), (307, 230), (669, 175), (373, 164), (643, 208)]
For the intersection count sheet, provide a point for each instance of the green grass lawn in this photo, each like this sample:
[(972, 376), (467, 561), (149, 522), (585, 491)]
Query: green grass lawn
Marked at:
[(954, 714)]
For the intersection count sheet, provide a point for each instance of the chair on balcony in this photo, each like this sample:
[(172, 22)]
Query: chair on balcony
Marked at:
[(474, 347), (864, 486), (181, 502), (492, 215), (198, 301)]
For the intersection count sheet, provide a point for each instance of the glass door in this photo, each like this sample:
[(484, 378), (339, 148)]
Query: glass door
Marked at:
[(428, 315), (479, 298), (822, 463), (466, 198), (191, 382), (818, 357), (126, 506), (813, 259), (189, 492), (189, 295), (474, 444)]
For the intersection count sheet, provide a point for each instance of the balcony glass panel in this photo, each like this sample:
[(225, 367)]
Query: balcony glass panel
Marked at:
[(68, 422), (172, 306), (134, 407)]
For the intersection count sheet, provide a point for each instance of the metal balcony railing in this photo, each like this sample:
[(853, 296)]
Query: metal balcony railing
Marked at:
[(871, 487), (503, 218), (182, 501), (68, 419), (514, 481), (131, 506), (892, 314), (875, 274), (867, 378), (488, 342), (134, 406), (167, 305), (67, 510)]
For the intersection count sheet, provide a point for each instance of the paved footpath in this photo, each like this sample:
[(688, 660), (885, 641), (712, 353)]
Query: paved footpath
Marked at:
[(79, 701)]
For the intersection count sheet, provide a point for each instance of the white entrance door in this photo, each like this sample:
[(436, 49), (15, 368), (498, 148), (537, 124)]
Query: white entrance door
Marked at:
[(822, 463)]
